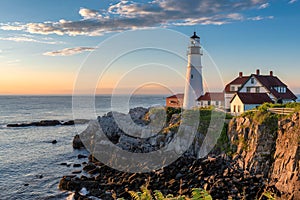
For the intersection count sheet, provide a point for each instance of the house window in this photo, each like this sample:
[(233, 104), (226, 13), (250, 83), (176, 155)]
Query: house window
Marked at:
[(239, 108), (208, 103), (248, 89), (257, 90), (192, 76), (234, 108), (284, 89), (217, 103), (173, 102), (232, 88), (252, 80)]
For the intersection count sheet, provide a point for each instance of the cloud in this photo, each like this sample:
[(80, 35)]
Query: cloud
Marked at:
[(69, 51), (13, 62), (215, 20), (126, 15), (29, 38), (89, 14), (292, 1), (259, 18), (263, 6)]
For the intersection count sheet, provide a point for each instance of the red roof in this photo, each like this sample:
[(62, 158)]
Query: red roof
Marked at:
[(215, 96), (272, 81), (237, 81), (178, 96), (253, 98)]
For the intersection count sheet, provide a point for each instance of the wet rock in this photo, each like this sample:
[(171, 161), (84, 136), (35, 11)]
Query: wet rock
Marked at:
[(80, 156), (40, 176), (40, 123), (76, 165), (89, 167), (64, 164), (68, 123), (77, 143)]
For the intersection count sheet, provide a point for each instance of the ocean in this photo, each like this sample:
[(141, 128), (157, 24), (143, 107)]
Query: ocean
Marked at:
[(30, 165)]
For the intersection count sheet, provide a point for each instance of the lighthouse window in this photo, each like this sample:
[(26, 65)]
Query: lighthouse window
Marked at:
[(192, 76)]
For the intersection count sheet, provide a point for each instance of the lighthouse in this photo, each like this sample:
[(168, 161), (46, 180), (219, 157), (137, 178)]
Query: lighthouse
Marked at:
[(194, 84)]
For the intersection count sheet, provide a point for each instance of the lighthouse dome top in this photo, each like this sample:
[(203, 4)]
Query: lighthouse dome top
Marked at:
[(195, 36)]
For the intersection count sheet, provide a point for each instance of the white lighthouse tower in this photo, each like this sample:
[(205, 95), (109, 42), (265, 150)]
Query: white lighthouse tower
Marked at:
[(194, 84)]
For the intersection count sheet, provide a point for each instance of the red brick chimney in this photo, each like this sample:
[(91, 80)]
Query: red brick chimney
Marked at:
[(257, 72), (271, 73), (240, 74)]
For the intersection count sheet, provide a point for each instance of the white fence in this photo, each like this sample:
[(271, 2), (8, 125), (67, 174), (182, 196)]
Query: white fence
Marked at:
[(281, 111)]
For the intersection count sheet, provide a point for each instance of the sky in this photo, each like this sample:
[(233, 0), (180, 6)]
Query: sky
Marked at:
[(56, 47)]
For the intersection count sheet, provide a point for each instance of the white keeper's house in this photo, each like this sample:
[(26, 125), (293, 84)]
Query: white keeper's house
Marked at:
[(258, 89)]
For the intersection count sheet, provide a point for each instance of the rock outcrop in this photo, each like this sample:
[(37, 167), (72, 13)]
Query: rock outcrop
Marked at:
[(285, 172), (253, 144), (262, 148), (264, 155)]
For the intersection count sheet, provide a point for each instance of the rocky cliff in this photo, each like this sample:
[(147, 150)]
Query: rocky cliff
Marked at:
[(271, 148), (258, 155)]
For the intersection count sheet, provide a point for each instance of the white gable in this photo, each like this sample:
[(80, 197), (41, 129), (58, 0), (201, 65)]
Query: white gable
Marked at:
[(252, 85)]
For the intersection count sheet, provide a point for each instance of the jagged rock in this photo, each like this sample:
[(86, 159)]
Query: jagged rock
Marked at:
[(137, 114), (263, 158), (254, 144), (77, 143), (183, 174), (285, 174), (271, 154)]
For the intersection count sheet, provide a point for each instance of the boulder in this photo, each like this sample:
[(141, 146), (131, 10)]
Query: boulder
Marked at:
[(81, 156), (77, 143)]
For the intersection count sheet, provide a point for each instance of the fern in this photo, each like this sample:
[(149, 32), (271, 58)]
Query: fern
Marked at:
[(169, 196), (269, 195), (135, 195), (146, 194), (158, 195), (200, 194)]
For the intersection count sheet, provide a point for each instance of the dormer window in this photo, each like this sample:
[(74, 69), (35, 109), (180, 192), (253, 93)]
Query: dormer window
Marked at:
[(252, 80), (232, 89)]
